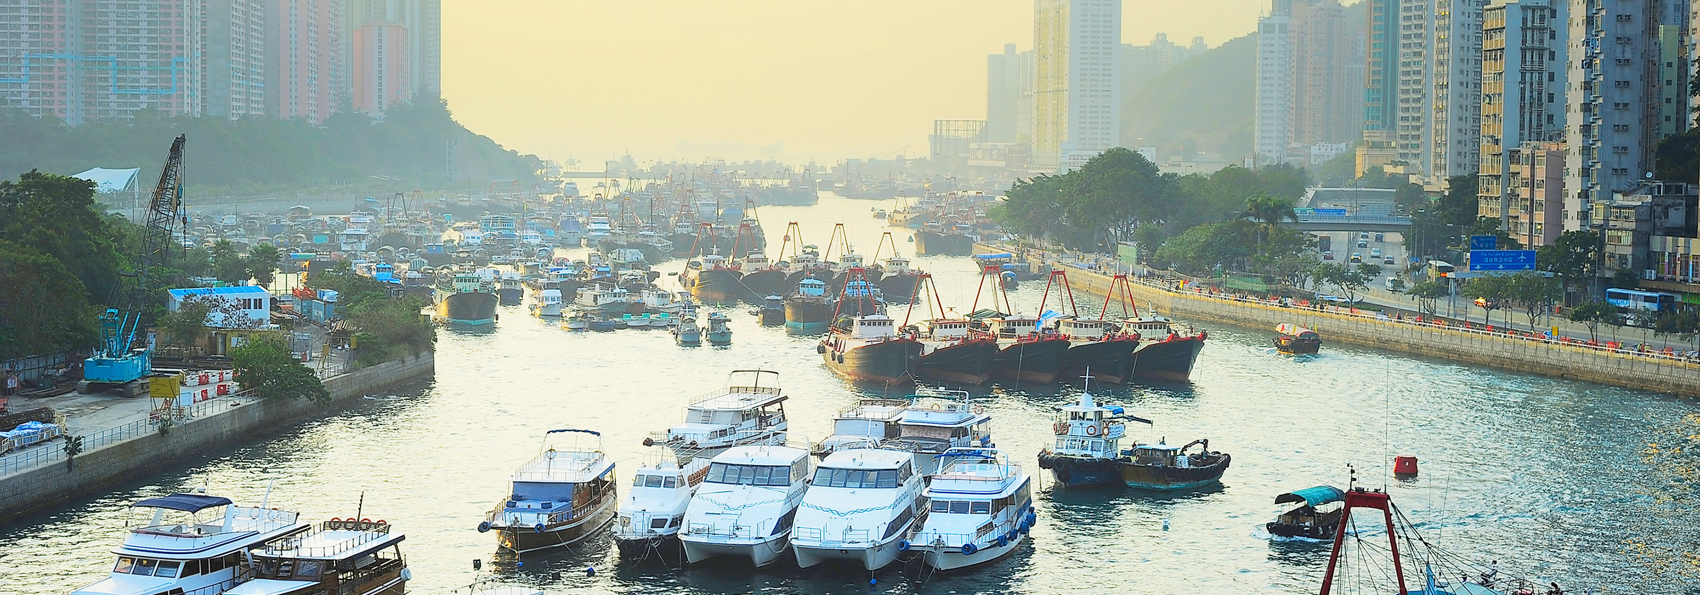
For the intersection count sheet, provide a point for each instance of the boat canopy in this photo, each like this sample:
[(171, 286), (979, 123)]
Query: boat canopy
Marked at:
[(1315, 496), (1293, 330), (998, 256), (185, 502)]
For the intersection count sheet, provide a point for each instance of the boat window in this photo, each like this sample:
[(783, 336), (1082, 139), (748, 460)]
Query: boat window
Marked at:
[(716, 473), (903, 474), (144, 567), (769, 475), (959, 507), (659, 522), (747, 475), (887, 479), (799, 469), (762, 475), (167, 569), (670, 482), (652, 481), (981, 507), (308, 568), (941, 506), (125, 565)]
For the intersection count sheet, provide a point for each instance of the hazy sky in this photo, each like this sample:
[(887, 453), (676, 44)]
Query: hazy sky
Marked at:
[(797, 79)]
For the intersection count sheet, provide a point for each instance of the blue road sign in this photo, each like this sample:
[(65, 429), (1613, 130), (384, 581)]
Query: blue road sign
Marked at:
[(1484, 242), (1502, 260), (1332, 212)]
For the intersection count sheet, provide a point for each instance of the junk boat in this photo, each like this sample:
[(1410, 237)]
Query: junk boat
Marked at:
[(863, 426), (1296, 340), (191, 543), (1087, 449), (556, 499), (746, 504), (744, 412), (938, 420), (1163, 467), (353, 556), (1315, 518), (653, 510), (980, 509), (861, 504)]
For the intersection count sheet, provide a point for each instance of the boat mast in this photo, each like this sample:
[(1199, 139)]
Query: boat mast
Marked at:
[(1056, 274)]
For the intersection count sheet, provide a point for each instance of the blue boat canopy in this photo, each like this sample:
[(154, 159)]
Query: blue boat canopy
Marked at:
[(1001, 255), (185, 502), (1316, 496)]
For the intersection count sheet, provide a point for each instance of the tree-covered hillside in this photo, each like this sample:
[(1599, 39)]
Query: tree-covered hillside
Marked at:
[(1204, 104)]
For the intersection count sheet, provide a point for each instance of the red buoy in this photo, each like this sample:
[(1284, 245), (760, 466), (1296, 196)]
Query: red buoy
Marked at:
[(1405, 465)]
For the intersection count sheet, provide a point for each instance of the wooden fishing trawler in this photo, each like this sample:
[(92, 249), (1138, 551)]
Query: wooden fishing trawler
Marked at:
[(1026, 352), (1163, 467), (1293, 339), (1096, 346), (557, 499)]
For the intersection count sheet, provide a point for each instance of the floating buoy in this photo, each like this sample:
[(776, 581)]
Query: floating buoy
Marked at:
[(590, 571), (477, 564), (1165, 524), (1405, 465)]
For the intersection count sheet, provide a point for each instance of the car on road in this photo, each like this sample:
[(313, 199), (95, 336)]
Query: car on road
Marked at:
[(1363, 243), (1380, 237), (1389, 260), (1356, 258), (1363, 235), (1376, 253), (1328, 255)]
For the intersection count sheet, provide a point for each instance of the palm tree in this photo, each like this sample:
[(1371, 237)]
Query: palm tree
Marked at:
[(1269, 212), (262, 262)]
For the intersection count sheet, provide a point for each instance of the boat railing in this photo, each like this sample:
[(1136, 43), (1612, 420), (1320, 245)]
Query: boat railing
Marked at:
[(243, 574), (369, 531), (737, 390), (712, 530), (819, 536)]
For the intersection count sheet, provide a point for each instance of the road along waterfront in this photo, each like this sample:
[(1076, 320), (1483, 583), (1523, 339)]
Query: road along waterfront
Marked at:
[(1542, 474)]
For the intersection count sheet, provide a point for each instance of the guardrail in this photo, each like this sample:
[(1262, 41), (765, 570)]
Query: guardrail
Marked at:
[(45, 454)]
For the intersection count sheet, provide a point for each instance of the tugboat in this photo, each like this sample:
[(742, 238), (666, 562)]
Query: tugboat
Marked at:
[(980, 509), (354, 556), (744, 412), (772, 311), (1296, 340), (746, 504), (191, 543), (557, 499), (1087, 451), (1163, 467), (465, 298), (861, 504), (718, 332), (808, 310), (1315, 519), (654, 509)]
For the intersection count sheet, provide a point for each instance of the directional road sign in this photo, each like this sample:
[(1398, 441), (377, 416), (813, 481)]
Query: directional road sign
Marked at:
[(1502, 260), (1484, 242)]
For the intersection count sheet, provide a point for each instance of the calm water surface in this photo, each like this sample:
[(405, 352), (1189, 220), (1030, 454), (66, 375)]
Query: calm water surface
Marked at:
[(1540, 474)]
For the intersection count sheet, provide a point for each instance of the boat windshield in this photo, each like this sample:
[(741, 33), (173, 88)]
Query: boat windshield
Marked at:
[(860, 478), (749, 475), (968, 506), (655, 481)]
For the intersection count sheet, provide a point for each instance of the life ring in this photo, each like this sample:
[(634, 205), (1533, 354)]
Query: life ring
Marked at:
[(935, 406), (1091, 429), (365, 520), (379, 522), (538, 527), (968, 549), (979, 409), (484, 527), (1060, 427)]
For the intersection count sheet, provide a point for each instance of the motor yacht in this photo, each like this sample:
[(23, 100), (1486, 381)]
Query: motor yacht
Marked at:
[(865, 425), (191, 543), (653, 510), (861, 504), (352, 556), (937, 421), (748, 410), (746, 504), (557, 498), (980, 507)]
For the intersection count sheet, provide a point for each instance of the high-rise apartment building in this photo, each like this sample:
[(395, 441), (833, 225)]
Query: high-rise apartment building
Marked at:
[(1628, 82), (1523, 55), (1411, 130), (1141, 63), (1009, 77), (233, 61), (1455, 94), (1308, 90), (1381, 65), (304, 73), (421, 21), (1076, 80), (381, 75), (97, 59)]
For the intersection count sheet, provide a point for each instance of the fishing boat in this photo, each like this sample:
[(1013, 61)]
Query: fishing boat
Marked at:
[(1316, 517), (548, 304), (863, 425), (353, 556), (772, 311), (950, 350), (191, 543), (465, 298), (635, 320), (861, 504), (868, 348), (601, 323), (718, 332), (1167, 351), (557, 499), (712, 279), (746, 504), (1086, 451), (510, 289), (653, 511), (748, 410), (938, 420), (1293, 339), (1163, 467), (577, 321), (1097, 348), (687, 332), (980, 508), (808, 310), (660, 300), (761, 276), (1026, 352), (1359, 565)]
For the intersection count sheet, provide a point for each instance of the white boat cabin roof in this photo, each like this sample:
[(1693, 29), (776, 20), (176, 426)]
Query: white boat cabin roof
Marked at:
[(761, 455), (975, 475), (564, 466), (347, 540), (867, 458), (888, 410), (181, 526), (739, 398)]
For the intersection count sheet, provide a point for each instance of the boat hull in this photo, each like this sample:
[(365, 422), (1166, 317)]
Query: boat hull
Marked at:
[(525, 539), (1030, 361), (888, 362), (765, 282), (953, 558), (968, 362), (899, 289), (872, 558), (1297, 346), (1167, 361), (467, 308), (1074, 471), (1152, 477), (807, 315), (761, 553), (644, 547), (933, 243), (1108, 361), (510, 296), (718, 286)]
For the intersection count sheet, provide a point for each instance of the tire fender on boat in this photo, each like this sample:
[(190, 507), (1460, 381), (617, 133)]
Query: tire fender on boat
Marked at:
[(968, 549), (484, 527), (903, 546), (538, 527), (1003, 541)]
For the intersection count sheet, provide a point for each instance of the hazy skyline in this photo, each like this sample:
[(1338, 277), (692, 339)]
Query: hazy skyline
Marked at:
[(670, 79)]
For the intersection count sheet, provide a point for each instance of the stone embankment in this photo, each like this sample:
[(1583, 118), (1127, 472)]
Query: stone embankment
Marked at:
[(39, 478), (1643, 370)]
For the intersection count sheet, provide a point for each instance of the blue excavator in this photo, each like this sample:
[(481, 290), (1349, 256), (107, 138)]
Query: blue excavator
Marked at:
[(123, 359)]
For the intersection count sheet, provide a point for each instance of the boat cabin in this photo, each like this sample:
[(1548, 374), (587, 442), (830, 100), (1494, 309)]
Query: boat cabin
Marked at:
[(1086, 429), (811, 287), (550, 297), (850, 260), (868, 423), (1317, 517), (190, 543), (1154, 329), (1085, 329), (1012, 328), (467, 282), (873, 326), (946, 328), (896, 265), (356, 557), (756, 261), (712, 261), (939, 420), (743, 410)]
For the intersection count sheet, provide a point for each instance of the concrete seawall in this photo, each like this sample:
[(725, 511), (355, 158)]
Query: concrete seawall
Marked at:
[(29, 491), (1468, 346)]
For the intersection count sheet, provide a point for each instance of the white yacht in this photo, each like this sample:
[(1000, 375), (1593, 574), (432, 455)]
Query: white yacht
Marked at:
[(660, 300), (860, 506), (556, 499), (748, 410), (353, 556), (654, 508), (548, 304), (865, 425), (980, 507), (746, 504), (191, 543), (939, 420)]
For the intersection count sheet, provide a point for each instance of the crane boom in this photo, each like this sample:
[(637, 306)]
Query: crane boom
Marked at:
[(116, 362)]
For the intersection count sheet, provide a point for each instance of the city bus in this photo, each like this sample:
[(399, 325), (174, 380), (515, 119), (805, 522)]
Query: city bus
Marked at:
[(1641, 307)]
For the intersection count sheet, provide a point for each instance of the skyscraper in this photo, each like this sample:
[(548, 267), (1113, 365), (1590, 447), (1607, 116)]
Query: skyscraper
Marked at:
[(381, 75), (1628, 75), (421, 21), (1008, 75), (233, 62), (98, 59), (1381, 66), (1076, 80), (305, 71), (1411, 130), (1523, 55), (1455, 92), (1273, 100), (1308, 91)]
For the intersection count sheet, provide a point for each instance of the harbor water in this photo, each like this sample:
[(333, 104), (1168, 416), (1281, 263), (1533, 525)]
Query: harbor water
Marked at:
[(1545, 476)]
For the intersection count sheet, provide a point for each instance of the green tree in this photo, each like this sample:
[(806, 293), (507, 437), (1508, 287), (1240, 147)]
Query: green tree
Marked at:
[(188, 324), (1573, 257), (1625, 278), (228, 264), (56, 216), (1534, 294), (1678, 157), (1488, 293), (1591, 314), (1427, 294), (262, 263), (1348, 281), (1682, 323), (43, 307), (1269, 213), (265, 365)]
